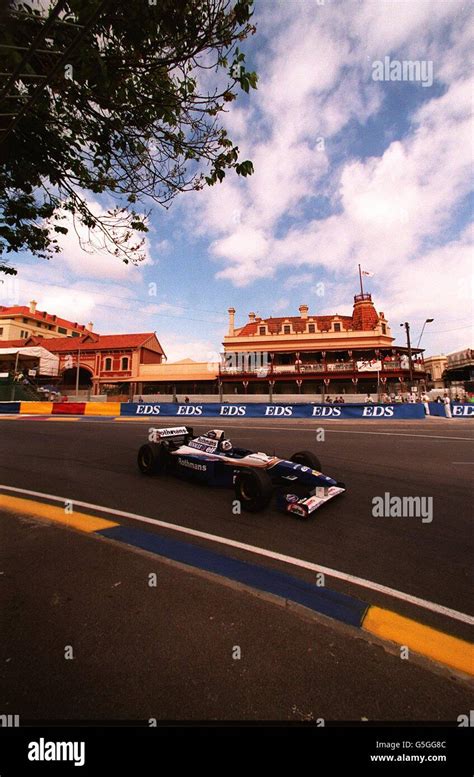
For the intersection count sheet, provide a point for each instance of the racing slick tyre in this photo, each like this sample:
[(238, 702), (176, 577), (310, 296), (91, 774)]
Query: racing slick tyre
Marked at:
[(151, 459), (253, 489), (307, 459)]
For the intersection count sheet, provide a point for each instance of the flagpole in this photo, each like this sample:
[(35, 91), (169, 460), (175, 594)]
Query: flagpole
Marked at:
[(360, 278)]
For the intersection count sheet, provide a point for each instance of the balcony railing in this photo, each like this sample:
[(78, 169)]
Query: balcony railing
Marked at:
[(310, 368)]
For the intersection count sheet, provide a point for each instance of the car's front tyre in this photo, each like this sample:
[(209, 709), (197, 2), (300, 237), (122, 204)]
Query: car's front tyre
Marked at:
[(253, 489), (151, 459), (307, 459)]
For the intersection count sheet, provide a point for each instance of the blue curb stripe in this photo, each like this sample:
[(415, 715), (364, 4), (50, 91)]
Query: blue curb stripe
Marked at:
[(331, 603)]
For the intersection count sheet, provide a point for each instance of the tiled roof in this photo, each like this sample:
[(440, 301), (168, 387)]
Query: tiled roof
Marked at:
[(38, 315), (275, 325), (92, 342)]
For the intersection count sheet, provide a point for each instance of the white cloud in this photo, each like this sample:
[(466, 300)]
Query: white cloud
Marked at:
[(301, 279), (96, 261), (179, 347)]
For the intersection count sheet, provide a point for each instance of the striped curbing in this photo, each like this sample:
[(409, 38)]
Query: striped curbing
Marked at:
[(382, 623)]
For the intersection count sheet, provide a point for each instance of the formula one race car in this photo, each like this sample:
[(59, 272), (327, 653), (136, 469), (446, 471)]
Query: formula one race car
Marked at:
[(299, 485)]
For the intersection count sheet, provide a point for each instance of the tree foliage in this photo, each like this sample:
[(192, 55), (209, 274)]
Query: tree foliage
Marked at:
[(120, 98)]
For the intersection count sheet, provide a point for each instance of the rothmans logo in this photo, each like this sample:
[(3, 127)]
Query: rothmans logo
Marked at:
[(43, 750), (192, 465)]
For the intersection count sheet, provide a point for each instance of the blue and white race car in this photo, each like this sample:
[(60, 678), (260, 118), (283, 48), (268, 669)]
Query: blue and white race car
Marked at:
[(298, 484)]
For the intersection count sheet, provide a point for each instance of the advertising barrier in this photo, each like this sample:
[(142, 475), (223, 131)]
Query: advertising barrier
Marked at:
[(458, 410), (254, 410), (191, 410)]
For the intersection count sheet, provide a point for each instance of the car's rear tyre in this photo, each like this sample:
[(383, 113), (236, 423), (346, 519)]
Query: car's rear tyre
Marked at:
[(253, 489), (307, 459), (151, 458)]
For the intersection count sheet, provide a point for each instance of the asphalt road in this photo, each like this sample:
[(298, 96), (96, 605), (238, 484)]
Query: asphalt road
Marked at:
[(95, 462), (136, 661)]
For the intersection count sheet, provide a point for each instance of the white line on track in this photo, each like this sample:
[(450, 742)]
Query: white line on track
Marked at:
[(351, 431), (196, 421), (438, 608)]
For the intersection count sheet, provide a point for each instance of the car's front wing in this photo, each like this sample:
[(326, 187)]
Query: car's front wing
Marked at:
[(304, 506)]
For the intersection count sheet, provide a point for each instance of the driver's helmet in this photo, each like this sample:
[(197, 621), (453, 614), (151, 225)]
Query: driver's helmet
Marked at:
[(226, 445)]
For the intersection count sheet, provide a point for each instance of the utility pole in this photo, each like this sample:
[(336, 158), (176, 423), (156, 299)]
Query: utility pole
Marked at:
[(77, 372)]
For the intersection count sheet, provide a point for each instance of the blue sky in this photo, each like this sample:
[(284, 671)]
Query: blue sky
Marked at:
[(347, 170)]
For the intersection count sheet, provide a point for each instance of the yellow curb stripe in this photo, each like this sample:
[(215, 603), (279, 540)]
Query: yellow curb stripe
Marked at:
[(102, 408), (64, 418), (437, 645), (38, 408), (135, 418), (81, 521)]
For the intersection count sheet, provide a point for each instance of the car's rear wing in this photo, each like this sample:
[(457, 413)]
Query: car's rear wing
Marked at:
[(177, 433)]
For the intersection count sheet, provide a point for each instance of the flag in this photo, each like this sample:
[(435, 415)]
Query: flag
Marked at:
[(366, 272)]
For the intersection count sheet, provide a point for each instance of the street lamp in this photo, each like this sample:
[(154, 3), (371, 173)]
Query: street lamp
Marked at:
[(410, 361), (428, 321)]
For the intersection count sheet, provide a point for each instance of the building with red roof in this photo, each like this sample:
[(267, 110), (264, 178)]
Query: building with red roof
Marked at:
[(313, 354), (18, 322), (99, 364)]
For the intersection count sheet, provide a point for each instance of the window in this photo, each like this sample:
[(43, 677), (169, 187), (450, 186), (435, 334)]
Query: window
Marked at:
[(1, 330), (286, 329), (124, 362), (262, 330), (23, 334), (75, 334), (311, 329), (62, 330), (384, 329), (337, 327), (25, 320), (108, 364)]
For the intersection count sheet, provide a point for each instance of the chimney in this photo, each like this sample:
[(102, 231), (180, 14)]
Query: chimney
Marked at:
[(90, 326), (251, 317), (33, 305), (303, 311), (231, 312)]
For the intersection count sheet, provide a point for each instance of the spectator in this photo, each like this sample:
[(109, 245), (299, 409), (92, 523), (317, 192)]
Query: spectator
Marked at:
[(447, 405), (140, 399), (369, 400), (342, 400), (426, 400), (328, 400), (186, 399), (457, 398)]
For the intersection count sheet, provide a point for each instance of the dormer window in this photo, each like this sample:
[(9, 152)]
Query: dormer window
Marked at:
[(262, 330), (311, 329), (384, 329), (286, 329), (337, 327)]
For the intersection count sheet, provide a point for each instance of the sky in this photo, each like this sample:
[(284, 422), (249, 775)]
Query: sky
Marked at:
[(358, 157)]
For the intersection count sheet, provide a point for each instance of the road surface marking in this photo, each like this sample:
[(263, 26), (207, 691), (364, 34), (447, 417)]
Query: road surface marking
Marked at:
[(419, 638), (434, 607), (81, 521)]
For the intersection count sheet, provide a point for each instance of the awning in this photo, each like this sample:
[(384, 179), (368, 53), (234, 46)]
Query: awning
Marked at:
[(48, 362)]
